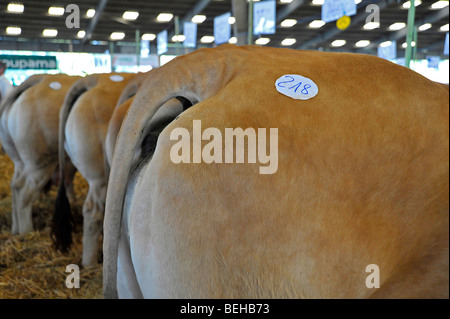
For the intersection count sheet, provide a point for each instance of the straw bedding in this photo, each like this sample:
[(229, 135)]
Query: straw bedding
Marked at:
[(29, 266)]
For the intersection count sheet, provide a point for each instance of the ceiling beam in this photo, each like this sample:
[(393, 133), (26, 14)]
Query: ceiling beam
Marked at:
[(334, 31), (98, 12), (431, 18), (196, 9), (288, 9)]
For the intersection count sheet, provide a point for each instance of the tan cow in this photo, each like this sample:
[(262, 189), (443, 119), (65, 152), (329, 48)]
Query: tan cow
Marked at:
[(360, 196), (84, 122), (29, 133), (167, 112)]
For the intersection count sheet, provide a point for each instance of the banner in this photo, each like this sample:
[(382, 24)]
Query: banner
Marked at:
[(264, 17), (335, 9), (190, 33), (161, 42), (388, 53), (222, 28), (29, 62)]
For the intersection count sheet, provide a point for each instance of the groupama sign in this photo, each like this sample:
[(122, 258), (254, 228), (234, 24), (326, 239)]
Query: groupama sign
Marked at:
[(29, 62)]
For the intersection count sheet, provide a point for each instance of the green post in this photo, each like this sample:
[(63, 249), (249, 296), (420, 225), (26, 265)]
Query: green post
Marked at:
[(410, 34), (414, 53), (111, 54), (138, 48), (177, 33), (250, 23)]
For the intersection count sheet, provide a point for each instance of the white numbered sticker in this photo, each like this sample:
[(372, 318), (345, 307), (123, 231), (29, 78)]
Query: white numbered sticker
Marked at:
[(297, 87), (55, 85), (116, 78)]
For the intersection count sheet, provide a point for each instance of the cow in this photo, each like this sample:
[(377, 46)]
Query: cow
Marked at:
[(358, 207), (167, 113), (84, 120), (29, 119)]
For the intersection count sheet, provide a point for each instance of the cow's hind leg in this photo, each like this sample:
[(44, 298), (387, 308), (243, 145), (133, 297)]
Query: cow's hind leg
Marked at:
[(16, 184), (27, 188), (93, 211)]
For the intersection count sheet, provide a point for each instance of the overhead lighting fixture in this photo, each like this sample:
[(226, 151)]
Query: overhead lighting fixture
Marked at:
[(207, 39), (288, 42), (231, 20), (285, 1), (362, 43), (317, 2), (148, 36), (56, 11), (199, 18), (164, 17), (13, 30), (117, 36), (358, 1), (316, 24), (425, 26), (288, 23), (262, 41), (338, 43), (49, 33), (444, 28), (385, 44), (90, 13), (439, 4), (81, 34), (397, 26), (233, 40), (15, 8), (178, 38), (404, 45), (130, 15), (407, 4), (371, 25)]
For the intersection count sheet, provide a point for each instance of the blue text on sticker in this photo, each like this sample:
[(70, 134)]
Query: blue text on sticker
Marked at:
[(297, 87)]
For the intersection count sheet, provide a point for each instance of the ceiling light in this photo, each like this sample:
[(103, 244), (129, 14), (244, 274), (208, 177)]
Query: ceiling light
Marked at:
[(317, 2), (130, 15), (385, 44), (13, 30), (56, 11), (117, 36), (439, 4), (316, 24), (199, 18), (371, 25), (15, 8), (287, 23), (207, 39), (233, 40), (90, 13), (444, 28), (407, 4), (262, 41), (397, 26), (148, 36), (425, 26), (288, 41), (231, 20), (81, 34), (164, 17), (178, 38), (358, 1), (338, 43), (362, 43), (404, 45), (285, 1), (50, 32)]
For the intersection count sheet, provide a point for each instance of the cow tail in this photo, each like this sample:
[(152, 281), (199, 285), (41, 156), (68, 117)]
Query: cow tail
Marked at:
[(62, 222)]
